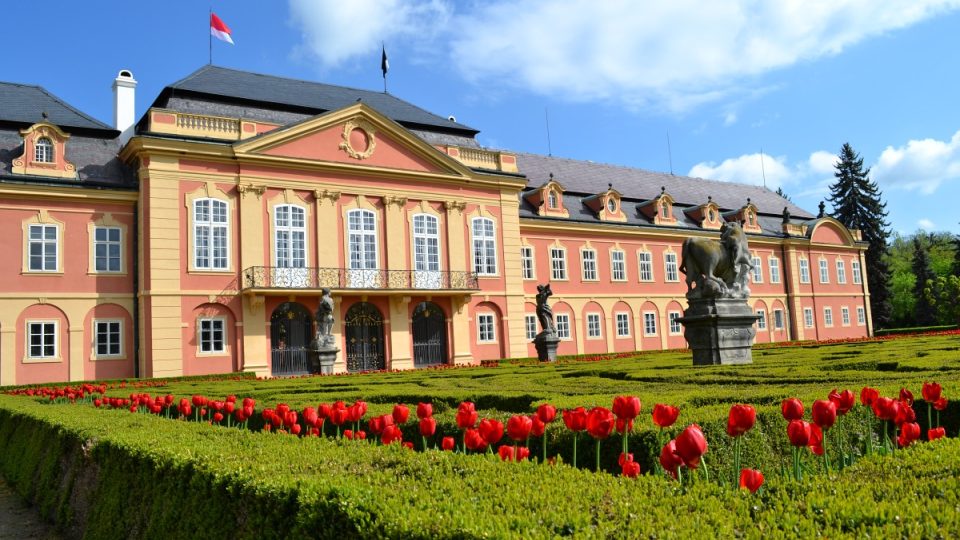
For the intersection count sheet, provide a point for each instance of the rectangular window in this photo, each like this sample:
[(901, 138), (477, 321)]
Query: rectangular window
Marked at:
[(757, 275), (761, 319), (841, 272), (213, 335), (861, 315), (778, 319), (855, 270), (646, 266), (106, 249), (650, 324), (106, 338), (563, 325), (845, 315), (593, 325), (670, 266), (623, 324), (828, 316), (774, 264), (42, 339), (675, 327), (485, 332), (484, 247), (618, 266), (824, 272), (589, 260), (210, 234), (804, 271), (808, 317), (526, 262), (530, 324), (558, 263), (43, 249)]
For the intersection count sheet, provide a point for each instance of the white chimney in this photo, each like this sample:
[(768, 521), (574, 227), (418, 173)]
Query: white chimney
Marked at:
[(123, 104)]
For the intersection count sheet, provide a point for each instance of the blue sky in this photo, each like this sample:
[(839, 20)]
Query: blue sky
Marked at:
[(724, 79)]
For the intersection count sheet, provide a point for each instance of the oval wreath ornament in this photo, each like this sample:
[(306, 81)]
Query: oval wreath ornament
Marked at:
[(347, 145)]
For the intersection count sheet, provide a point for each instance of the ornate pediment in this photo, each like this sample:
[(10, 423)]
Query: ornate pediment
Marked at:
[(606, 205), (44, 152), (659, 209), (548, 199), (707, 215)]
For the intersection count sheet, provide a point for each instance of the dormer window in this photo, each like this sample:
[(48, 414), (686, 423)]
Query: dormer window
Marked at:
[(612, 205), (664, 211), (43, 150), (751, 218), (712, 215), (552, 200)]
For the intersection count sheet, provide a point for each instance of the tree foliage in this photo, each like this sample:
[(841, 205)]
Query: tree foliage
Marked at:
[(940, 250), (857, 203), (924, 311)]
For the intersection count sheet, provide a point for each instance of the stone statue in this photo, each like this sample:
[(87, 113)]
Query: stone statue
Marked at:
[(719, 269), (325, 319), (544, 311)]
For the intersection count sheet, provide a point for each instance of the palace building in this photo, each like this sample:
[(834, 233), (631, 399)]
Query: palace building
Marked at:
[(198, 239)]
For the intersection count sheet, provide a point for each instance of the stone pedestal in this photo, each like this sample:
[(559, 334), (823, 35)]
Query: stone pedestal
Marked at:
[(720, 331), (546, 344), (322, 357)]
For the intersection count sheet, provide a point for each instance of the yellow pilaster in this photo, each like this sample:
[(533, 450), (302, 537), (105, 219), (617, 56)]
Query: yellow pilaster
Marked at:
[(456, 250), (8, 346), (395, 234), (461, 331), (255, 356), (793, 299), (513, 278), (866, 291), (250, 228), (400, 337), (327, 242), (340, 366), (79, 351)]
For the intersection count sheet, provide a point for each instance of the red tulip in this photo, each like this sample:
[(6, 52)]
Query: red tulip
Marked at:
[(218, 417), (295, 429), (400, 414), (885, 408), (792, 409), (248, 402), (868, 396), (348, 434), (936, 433), (338, 416), (506, 452), (538, 427), (575, 419), (751, 479), (310, 416), (844, 401), (670, 459), (906, 396), (546, 413), (798, 432), (629, 467), (600, 423), (940, 404), (909, 432), (626, 407), (740, 420), (519, 427), (691, 445), (816, 439), (623, 426), (931, 392), (824, 413), (199, 401), (474, 440), (376, 425), (424, 410), (408, 445), (360, 435), (905, 414), (665, 415), (356, 411), (391, 434), (229, 407), (491, 430), (466, 415), (323, 410), (447, 443), (428, 426)]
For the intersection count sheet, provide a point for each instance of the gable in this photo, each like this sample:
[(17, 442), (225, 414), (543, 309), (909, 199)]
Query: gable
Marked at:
[(830, 232), (353, 136)]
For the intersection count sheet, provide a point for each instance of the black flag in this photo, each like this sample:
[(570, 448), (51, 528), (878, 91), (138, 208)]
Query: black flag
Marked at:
[(384, 64)]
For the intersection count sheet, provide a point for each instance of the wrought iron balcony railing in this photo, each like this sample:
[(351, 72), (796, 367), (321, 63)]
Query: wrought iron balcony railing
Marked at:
[(269, 277)]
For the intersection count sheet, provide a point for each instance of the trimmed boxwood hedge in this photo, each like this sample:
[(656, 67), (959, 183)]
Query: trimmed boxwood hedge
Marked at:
[(107, 474)]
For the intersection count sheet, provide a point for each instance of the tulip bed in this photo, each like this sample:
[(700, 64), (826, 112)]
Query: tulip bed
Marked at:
[(117, 472)]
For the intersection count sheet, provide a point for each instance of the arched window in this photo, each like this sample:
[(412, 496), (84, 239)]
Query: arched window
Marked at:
[(43, 150), (484, 247), (210, 234), (612, 205), (552, 199), (290, 237)]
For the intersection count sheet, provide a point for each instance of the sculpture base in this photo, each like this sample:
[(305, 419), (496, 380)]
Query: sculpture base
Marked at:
[(322, 360), (719, 331), (546, 344)]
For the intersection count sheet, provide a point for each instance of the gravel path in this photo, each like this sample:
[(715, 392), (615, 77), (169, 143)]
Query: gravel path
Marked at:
[(20, 521)]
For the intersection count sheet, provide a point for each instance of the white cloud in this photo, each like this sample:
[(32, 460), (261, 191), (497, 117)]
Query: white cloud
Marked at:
[(926, 225), (730, 119), (671, 54), (746, 169), (335, 31), (921, 165)]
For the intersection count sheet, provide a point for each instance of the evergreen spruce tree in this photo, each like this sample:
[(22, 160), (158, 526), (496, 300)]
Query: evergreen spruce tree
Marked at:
[(783, 193), (857, 204), (955, 270), (925, 311)]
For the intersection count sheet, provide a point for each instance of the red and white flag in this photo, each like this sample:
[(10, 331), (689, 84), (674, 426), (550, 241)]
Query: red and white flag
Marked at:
[(219, 30)]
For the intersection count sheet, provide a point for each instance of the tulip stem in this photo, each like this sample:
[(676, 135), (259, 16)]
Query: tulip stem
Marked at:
[(826, 455), (706, 471), (424, 443), (544, 446), (576, 436), (596, 466), (929, 419), (938, 417), (736, 459)]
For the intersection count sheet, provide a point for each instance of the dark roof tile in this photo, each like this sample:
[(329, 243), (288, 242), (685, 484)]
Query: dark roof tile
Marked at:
[(25, 104)]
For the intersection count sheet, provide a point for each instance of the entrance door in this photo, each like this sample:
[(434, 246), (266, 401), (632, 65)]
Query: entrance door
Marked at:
[(429, 335), (363, 327), (291, 330)]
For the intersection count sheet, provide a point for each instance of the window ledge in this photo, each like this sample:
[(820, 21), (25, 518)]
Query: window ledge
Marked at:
[(50, 360), (107, 358), (42, 273)]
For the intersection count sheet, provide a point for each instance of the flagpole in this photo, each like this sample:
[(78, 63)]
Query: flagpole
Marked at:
[(209, 39)]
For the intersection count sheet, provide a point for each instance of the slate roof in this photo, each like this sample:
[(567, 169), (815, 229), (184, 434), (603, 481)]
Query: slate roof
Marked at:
[(23, 104), (585, 178), (303, 96)]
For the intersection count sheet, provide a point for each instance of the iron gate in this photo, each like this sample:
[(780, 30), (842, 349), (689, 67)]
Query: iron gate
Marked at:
[(291, 329), (364, 332), (429, 335)]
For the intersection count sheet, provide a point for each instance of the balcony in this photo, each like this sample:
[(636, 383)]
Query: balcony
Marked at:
[(199, 125), (267, 279), (480, 158)]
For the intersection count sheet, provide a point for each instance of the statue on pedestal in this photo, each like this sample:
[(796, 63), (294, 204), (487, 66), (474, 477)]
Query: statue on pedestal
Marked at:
[(324, 346), (718, 269), (547, 340)]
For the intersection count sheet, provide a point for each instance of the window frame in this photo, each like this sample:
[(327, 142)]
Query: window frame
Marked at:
[(107, 243), (618, 265), (649, 321), (120, 354), (594, 322), (210, 225), (28, 356), (773, 267), (756, 273), (527, 267), (808, 319), (761, 319), (861, 316), (804, 264), (670, 268), (490, 334), (645, 264), (824, 271), (828, 316), (289, 250), (584, 270), (425, 237), (43, 242), (49, 153), (841, 272), (558, 265), (844, 316), (778, 321), (553, 200), (622, 317), (673, 321), (855, 272), (527, 326), (562, 322), (485, 263), (224, 342)]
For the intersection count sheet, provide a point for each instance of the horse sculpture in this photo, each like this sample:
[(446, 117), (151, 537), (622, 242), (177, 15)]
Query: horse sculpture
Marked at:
[(719, 269)]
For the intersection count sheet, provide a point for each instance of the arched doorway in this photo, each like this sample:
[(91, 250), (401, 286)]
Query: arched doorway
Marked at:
[(291, 330), (429, 335), (363, 327)]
